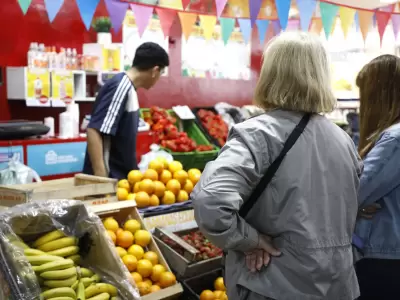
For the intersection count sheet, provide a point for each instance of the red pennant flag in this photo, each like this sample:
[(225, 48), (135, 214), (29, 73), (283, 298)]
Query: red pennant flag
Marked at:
[(167, 18), (382, 19), (185, 4)]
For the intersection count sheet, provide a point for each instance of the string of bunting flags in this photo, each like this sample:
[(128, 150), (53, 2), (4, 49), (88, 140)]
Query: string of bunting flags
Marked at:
[(310, 15)]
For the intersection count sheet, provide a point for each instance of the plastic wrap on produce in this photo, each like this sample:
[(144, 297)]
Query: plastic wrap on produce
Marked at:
[(21, 225), (231, 114)]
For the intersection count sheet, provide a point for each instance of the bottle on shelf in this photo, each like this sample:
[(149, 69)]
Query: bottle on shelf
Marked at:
[(61, 59), (53, 58), (32, 53), (68, 60), (42, 56), (74, 59)]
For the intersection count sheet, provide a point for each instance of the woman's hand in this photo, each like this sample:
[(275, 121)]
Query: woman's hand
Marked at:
[(369, 211), (261, 256)]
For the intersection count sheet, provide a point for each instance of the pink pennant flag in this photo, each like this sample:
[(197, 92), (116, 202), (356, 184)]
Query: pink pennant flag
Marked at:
[(220, 5), (396, 24), (142, 16), (382, 19)]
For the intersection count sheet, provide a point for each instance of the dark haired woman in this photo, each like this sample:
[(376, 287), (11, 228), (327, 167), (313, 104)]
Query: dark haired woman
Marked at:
[(379, 147)]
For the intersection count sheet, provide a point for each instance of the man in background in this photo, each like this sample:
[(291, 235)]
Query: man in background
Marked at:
[(113, 127)]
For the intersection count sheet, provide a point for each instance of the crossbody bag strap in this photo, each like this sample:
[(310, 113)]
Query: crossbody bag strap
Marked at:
[(293, 137)]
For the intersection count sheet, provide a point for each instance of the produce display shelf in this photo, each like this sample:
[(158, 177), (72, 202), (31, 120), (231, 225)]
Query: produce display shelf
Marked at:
[(195, 285), (164, 209), (200, 125)]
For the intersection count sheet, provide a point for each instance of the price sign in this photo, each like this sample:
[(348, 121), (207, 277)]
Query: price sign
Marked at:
[(38, 87), (62, 88)]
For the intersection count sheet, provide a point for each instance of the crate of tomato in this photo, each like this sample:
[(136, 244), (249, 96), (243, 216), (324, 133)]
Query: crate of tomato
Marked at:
[(212, 124), (183, 139)]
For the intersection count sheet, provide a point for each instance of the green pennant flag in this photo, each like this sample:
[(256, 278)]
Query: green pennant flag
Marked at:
[(227, 26), (24, 4)]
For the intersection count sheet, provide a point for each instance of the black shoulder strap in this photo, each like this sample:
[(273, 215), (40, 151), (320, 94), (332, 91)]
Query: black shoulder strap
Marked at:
[(293, 137)]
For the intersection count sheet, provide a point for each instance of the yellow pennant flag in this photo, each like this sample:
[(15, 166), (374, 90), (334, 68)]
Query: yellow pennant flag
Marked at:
[(365, 21), (346, 18), (208, 24), (187, 23)]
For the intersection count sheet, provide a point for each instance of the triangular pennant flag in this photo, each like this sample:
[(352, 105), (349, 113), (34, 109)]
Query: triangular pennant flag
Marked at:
[(293, 25), (227, 26), (374, 20), (346, 18), (316, 26), (382, 19), (208, 24), (143, 15), (117, 12), (328, 16), (53, 7), (306, 10), (282, 8), (396, 24), (254, 8), (24, 4), (185, 4), (220, 5), (262, 26), (167, 18), (245, 28), (87, 9), (187, 22), (277, 27), (357, 22), (365, 21)]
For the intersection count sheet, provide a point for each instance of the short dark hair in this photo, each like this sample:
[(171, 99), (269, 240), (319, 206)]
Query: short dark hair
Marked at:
[(149, 55)]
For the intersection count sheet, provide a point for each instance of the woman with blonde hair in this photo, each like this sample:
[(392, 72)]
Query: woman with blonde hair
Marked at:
[(281, 198), (379, 146)]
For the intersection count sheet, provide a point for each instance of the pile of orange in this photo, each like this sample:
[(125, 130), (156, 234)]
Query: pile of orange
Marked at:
[(219, 292), (132, 243), (162, 183)]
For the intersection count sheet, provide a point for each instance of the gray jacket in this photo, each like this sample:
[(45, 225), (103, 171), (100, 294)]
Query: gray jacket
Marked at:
[(309, 208)]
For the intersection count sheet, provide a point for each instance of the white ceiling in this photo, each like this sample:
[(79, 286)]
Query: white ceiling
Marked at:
[(367, 4)]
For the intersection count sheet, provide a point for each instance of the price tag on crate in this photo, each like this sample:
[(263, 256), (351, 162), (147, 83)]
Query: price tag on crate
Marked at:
[(183, 112)]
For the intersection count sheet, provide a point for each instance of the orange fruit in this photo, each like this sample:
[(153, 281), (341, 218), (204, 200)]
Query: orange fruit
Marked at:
[(218, 294), (125, 239), (188, 186), (144, 268), (194, 175), (182, 196), (164, 161), (137, 277), (156, 165), (154, 201), (167, 279), (194, 171), (142, 199), (148, 281), (134, 176), (151, 256), (219, 284), (130, 262), (146, 185), (165, 176), (122, 194), (132, 226), (169, 198), (159, 188), (121, 251), (137, 251), (175, 166), (118, 231), (181, 176), (143, 288), (136, 187), (112, 235), (174, 186), (111, 224), (142, 238), (124, 184), (150, 174), (131, 196), (157, 271), (154, 288), (207, 295), (224, 296)]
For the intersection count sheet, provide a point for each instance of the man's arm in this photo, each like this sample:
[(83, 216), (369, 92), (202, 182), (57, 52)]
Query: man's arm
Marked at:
[(95, 150)]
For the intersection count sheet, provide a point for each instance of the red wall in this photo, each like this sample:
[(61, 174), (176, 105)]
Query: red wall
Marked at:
[(67, 30)]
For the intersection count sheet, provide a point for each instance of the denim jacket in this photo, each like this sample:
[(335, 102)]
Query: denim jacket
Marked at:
[(380, 183)]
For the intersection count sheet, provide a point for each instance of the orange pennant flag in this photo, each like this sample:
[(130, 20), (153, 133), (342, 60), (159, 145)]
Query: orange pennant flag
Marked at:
[(187, 22), (346, 18), (365, 21), (316, 26), (208, 24)]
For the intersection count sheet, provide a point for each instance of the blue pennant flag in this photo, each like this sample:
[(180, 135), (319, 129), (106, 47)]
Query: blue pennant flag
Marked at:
[(357, 22), (283, 7), (87, 9), (53, 7), (262, 26), (306, 11), (245, 28)]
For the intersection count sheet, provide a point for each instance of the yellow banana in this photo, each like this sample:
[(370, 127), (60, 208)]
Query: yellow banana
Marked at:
[(112, 290), (95, 289), (86, 272), (87, 281), (80, 295), (55, 265), (51, 236), (112, 298), (42, 259), (63, 252), (33, 252), (76, 258), (59, 292), (102, 296), (58, 244), (59, 274), (75, 285), (96, 278), (62, 298), (60, 283)]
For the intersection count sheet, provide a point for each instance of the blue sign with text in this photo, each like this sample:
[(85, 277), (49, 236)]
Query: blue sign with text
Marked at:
[(7, 152), (54, 159)]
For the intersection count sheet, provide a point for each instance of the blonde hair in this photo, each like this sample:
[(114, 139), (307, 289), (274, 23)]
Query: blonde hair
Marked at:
[(295, 75)]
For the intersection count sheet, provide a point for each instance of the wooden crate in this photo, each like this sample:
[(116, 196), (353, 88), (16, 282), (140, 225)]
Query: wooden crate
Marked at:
[(122, 211), (91, 190), (186, 265)]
